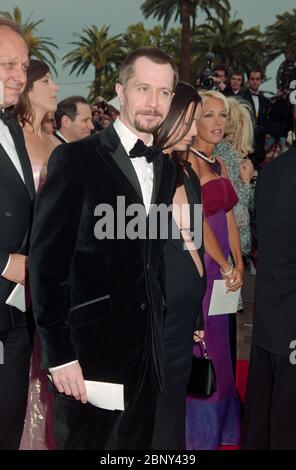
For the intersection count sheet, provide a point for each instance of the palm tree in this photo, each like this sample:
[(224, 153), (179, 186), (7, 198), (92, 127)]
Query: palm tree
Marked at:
[(94, 47), (137, 36), (235, 47), (185, 10), (39, 46), (281, 35)]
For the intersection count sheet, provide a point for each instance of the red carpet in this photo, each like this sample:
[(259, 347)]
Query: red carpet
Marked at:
[(242, 370)]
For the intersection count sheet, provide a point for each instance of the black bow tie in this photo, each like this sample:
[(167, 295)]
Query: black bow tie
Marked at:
[(253, 93), (142, 150), (5, 116)]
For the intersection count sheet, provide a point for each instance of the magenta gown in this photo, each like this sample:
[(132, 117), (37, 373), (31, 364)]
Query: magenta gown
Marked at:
[(215, 421)]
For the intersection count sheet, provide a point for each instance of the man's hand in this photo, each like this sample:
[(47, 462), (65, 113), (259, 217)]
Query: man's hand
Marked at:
[(69, 380), (16, 269)]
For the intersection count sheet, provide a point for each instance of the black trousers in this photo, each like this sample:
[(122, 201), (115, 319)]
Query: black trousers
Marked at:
[(14, 383), (270, 413), (85, 427)]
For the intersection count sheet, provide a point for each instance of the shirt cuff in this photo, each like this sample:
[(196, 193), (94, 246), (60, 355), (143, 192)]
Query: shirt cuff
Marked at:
[(51, 369), (7, 264)]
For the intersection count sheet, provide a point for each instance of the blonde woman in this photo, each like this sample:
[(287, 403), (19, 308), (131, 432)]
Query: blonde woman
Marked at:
[(215, 421), (234, 150)]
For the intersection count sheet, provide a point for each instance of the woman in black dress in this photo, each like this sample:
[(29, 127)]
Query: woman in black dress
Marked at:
[(185, 279)]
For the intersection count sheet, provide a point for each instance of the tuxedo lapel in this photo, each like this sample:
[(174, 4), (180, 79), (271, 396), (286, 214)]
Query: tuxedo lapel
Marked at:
[(251, 101), (117, 159), (19, 142), (157, 169)]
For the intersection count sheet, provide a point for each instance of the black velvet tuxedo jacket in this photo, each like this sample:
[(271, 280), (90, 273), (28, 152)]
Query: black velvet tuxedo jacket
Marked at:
[(15, 217), (275, 292), (99, 301)]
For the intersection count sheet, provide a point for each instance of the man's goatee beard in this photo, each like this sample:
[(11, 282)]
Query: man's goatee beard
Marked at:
[(140, 128)]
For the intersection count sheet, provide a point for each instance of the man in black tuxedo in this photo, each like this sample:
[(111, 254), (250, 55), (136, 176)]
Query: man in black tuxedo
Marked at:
[(73, 119), (16, 195), (98, 297), (259, 105), (271, 405)]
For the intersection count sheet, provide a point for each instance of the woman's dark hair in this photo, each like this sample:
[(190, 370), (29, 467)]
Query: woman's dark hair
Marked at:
[(184, 96), (23, 111)]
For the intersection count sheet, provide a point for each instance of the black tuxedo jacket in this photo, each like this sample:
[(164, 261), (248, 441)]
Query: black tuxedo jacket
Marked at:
[(264, 104), (260, 123), (15, 217), (275, 293), (97, 300)]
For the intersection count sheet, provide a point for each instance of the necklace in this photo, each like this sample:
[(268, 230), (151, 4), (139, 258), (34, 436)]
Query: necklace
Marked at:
[(202, 155)]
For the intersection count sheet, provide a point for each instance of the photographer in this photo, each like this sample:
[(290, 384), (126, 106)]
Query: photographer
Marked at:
[(285, 111), (212, 78), (219, 78)]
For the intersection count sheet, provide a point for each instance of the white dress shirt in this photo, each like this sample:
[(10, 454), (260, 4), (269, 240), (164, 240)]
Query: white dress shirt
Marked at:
[(62, 136), (8, 145), (143, 169)]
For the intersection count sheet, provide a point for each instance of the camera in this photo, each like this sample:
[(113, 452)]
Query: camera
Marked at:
[(205, 79), (286, 74)]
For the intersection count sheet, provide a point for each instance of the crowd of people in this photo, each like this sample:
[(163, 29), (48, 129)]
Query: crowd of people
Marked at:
[(129, 304)]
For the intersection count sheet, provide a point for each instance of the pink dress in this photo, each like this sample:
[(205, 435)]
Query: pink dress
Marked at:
[(38, 430)]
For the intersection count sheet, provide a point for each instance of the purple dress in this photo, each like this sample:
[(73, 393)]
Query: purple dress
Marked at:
[(214, 421)]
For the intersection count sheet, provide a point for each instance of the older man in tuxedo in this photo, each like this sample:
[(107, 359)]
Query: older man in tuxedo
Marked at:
[(98, 299), (16, 195)]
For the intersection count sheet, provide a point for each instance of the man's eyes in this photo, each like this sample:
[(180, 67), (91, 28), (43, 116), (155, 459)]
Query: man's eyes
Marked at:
[(11, 65)]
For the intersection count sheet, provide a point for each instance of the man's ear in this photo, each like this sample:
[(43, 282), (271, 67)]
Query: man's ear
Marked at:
[(65, 121), (120, 93)]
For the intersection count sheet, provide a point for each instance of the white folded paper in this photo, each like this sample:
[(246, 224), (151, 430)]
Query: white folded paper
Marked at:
[(105, 395), (17, 298), (220, 301)]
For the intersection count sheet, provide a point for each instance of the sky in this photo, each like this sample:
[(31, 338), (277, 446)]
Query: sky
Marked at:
[(63, 17)]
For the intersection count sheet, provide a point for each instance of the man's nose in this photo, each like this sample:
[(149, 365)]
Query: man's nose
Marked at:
[(152, 99), (20, 74)]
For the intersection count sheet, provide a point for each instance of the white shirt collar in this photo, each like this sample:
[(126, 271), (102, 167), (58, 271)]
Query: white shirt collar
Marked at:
[(127, 137), (61, 135)]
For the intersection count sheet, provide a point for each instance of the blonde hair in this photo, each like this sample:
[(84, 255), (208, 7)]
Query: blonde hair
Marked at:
[(207, 94), (240, 126)]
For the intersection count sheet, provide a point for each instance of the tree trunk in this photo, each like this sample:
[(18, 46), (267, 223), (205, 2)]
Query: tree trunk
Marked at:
[(97, 83), (185, 65)]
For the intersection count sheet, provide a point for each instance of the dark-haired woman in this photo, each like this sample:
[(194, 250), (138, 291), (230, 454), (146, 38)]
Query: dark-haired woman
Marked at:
[(38, 99), (184, 271)]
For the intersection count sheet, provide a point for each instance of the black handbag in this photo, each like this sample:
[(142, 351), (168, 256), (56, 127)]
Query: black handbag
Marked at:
[(202, 380)]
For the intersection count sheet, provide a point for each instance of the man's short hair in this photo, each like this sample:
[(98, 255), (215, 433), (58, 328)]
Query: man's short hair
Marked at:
[(126, 70), (12, 25), (255, 69), (221, 67), (68, 107)]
